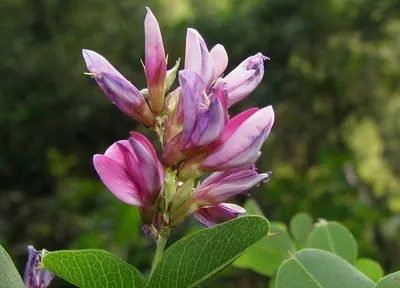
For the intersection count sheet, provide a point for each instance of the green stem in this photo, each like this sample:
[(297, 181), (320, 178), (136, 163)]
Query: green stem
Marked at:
[(162, 240)]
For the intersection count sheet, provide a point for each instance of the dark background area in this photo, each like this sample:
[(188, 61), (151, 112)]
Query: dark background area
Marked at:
[(333, 80)]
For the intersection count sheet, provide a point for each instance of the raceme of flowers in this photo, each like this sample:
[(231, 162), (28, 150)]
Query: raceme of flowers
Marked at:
[(197, 134)]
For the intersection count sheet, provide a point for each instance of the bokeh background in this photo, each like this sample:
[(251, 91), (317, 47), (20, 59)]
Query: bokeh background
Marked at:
[(333, 80)]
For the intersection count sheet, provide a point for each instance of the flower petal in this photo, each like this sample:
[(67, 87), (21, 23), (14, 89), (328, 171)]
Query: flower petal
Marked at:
[(197, 57), (220, 58), (210, 216), (97, 64), (248, 137), (221, 186), (117, 179)]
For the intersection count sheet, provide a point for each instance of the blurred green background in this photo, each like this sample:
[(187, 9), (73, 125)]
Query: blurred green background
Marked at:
[(333, 79)]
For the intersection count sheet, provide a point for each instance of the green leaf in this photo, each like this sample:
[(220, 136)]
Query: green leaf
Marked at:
[(335, 238), (313, 268), (252, 208), (9, 274), (389, 281), (195, 258), (370, 268), (301, 227), (266, 256), (92, 268)]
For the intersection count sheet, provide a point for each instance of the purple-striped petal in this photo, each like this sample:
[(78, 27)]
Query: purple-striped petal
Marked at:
[(221, 186), (210, 216), (34, 276), (245, 78), (242, 146), (197, 57), (122, 93)]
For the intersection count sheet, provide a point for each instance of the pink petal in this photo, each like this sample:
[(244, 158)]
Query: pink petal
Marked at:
[(117, 180), (220, 58), (232, 184), (246, 136), (223, 212), (197, 57)]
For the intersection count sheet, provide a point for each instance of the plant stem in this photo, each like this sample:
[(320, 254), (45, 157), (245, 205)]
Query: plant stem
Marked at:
[(162, 240)]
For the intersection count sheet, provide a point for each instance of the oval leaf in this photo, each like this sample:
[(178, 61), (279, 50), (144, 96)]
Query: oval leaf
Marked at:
[(9, 274), (370, 268), (197, 257), (93, 268), (266, 256), (313, 268), (301, 227), (335, 238), (390, 281)]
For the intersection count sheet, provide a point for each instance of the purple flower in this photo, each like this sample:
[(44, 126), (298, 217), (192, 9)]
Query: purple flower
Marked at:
[(131, 171), (35, 276), (155, 62), (245, 78), (221, 186), (203, 117), (120, 91), (210, 216)]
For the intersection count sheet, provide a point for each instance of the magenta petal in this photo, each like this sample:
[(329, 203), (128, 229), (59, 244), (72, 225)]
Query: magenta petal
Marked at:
[(148, 167), (149, 147), (220, 58), (197, 57), (117, 180), (210, 216), (248, 136)]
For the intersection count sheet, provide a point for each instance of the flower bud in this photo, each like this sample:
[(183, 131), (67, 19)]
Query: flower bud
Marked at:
[(155, 62), (120, 91), (220, 59)]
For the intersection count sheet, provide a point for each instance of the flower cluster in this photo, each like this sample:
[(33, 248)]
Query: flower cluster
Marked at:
[(197, 134)]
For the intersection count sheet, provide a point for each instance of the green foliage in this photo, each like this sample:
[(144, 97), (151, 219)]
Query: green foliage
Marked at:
[(320, 269), (335, 238), (300, 228), (390, 281), (266, 256), (195, 258), (93, 268), (9, 274), (370, 268)]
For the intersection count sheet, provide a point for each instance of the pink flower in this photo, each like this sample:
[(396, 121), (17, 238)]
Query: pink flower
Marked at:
[(221, 186), (210, 216), (131, 171), (120, 91), (155, 62)]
